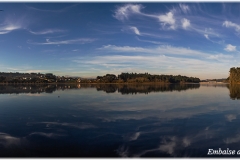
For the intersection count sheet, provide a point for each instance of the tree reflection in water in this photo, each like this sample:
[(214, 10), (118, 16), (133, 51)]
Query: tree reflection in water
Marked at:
[(108, 88), (34, 88), (145, 88), (234, 90)]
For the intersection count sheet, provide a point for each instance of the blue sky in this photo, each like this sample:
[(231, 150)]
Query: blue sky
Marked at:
[(91, 39)]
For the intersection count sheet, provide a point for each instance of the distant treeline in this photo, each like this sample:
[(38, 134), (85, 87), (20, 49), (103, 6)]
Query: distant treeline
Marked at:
[(234, 75), (35, 78), (108, 78), (144, 77)]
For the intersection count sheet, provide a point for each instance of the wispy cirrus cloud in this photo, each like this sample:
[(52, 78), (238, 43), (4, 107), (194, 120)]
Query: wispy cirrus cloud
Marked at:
[(149, 41), (184, 8), (49, 135), (75, 50), (47, 31), (9, 27), (135, 30), (171, 52), (72, 125), (209, 33), (233, 139), (7, 140), (167, 20), (124, 12), (178, 17), (230, 117), (162, 49), (230, 24), (169, 58), (11, 24), (70, 41), (53, 11), (206, 36)]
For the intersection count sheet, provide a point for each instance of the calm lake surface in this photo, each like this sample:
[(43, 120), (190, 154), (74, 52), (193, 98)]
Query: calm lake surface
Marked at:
[(118, 120)]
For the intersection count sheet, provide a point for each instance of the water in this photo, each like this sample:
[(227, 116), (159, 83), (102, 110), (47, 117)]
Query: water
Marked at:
[(118, 120)]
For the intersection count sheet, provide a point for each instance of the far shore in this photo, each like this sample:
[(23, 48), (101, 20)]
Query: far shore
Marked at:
[(106, 83)]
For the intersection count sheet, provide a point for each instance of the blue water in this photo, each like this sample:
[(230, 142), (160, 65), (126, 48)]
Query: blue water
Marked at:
[(118, 120)]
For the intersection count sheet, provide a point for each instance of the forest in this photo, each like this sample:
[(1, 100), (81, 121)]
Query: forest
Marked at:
[(145, 77), (234, 76)]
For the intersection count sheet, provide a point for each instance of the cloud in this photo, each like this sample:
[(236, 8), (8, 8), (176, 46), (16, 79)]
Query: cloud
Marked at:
[(230, 48), (168, 147), (48, 31), (135, 30), (186, 142), (170, 59), (72, 125), (167, 64), (153, 42), (206, 36), (174, 19), (35, 71), (8, 141), (130, 62), (184, 8), (230, 24), (123, 48), (170, 51), (71, 41), (234, 139), (219, 56), (230, 117), (13, 23), (133, 136), (124, 12), (122, 151), (168, 19), (185, 23), (48, 135), (162, 50), (53, 11), (211, 32), (9, 28), (207, 33), (23, 68)]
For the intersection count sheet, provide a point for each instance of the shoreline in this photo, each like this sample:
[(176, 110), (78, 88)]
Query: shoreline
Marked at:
[(106, 83)]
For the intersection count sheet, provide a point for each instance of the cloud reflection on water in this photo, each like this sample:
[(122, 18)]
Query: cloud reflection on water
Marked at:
[(168, 122), (8, 141)]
